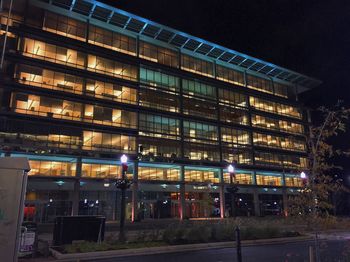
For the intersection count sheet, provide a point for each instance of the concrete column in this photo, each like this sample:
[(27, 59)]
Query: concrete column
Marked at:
[(76, 198), (76, 190), (182, 202), (134, 195), (256, 202)]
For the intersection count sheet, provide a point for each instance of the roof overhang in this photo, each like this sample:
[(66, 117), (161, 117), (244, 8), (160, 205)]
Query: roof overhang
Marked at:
[(144, 27)]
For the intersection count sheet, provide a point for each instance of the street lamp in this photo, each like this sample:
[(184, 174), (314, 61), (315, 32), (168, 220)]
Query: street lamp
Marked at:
[(231, 171), (233, 187), (303, 177), (123, 184)]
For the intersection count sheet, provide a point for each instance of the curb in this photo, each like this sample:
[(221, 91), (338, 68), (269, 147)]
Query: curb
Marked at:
[(170, 249)]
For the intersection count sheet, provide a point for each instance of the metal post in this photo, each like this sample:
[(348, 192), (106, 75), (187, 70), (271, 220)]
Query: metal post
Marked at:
[(317, 250), (238, 244), (122, 210), (311, 254)]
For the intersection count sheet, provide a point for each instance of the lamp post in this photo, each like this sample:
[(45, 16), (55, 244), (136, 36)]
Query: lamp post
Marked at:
[(233, 187), (123, 184), (305, 181), (303, 177)]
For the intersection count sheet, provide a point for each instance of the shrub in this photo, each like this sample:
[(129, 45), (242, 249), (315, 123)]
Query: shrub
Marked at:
[(198, 234)]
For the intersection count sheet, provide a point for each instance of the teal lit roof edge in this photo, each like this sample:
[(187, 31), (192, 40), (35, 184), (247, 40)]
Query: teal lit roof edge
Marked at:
[(145, 27)]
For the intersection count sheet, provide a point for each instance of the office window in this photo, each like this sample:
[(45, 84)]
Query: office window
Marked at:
[(232, 98), (200, 132), (107, 142), (66, 26), (158, 54), (194, 151), (276, 124), (268, 180), (109, 91), (51, 168), (204, 176), (240, 155), (103, 171), (112, 40), (235, 137), (111, 67), (277, 108), (290, 127), (45, 140), (293, 181), (282, 90), (199, 107), (110, 116), (154, 149), (239, 178), (166, 101), (233, 115), (198, 89), (53, 53), (158, 173), (274, 159), (260, 84), (159, 79), (46, 106), (197, 66), (159, 126), (267, 159), (293, 161), (44, 78), (229, 75), (266, 140)]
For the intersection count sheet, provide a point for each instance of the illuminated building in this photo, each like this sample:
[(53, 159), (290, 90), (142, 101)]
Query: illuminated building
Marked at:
[(84, 82)]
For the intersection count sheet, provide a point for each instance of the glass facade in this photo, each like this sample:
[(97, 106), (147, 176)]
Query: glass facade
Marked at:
[(51, 168), (158, 54), (158, 173), (82, 92)]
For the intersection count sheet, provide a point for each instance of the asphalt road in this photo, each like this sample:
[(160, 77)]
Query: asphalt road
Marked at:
[(330, 250)]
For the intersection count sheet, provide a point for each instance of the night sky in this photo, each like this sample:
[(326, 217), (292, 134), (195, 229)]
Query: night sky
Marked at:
[(309, 36)]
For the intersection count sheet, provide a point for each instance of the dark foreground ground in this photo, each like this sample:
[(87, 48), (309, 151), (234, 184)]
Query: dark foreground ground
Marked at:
[(330, 250)]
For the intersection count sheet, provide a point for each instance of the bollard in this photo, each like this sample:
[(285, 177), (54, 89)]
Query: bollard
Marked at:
[(238, 244)]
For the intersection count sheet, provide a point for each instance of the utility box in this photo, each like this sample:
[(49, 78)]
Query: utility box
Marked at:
[(13, 183)]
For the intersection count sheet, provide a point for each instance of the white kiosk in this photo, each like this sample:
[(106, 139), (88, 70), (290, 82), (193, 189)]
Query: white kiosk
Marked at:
[(13, 183)]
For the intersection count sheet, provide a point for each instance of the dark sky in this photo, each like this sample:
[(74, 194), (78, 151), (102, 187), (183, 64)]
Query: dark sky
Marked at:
[(308, 36)]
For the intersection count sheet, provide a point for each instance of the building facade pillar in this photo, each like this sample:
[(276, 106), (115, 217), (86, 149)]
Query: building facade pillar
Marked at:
[(256, 202), (134, 194), (76, 189), (182, 202)]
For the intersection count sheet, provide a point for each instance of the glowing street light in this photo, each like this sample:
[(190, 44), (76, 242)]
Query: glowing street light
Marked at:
[(233, 188), (231, 169), (124, 159), (303, 177)]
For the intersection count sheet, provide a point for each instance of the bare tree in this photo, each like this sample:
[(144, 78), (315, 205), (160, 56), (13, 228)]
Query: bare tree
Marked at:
[(314, 200)]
